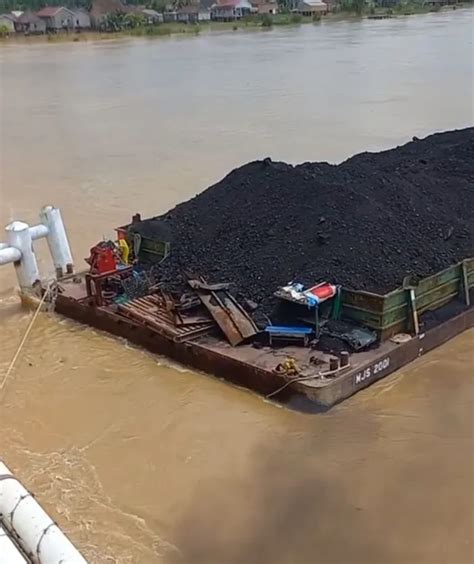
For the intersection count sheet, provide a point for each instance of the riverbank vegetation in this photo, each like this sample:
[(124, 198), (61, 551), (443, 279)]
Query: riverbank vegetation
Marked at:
[(134, 24), (285, 6)]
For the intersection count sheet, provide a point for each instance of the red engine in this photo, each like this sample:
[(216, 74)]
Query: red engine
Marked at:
[(103, 258)]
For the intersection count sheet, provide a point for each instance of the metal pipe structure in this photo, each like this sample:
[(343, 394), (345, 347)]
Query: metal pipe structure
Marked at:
[(19, 248), (19, 237), (9, 552), (9, 255), (57, 240), (38, 231), (33, 530)]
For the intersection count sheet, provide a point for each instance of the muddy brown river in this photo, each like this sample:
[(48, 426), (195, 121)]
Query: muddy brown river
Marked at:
[(142, 461)]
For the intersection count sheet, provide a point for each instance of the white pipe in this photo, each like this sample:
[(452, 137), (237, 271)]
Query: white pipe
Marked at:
[(19, 236), (9, 553), (9, 254), (38, 231), (57, 240), (34, 531)]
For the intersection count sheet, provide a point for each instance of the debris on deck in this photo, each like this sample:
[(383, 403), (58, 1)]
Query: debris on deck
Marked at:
[(234, 321), (152, 311)]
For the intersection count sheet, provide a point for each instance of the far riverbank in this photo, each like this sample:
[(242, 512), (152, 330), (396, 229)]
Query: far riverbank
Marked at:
[(252, 23)]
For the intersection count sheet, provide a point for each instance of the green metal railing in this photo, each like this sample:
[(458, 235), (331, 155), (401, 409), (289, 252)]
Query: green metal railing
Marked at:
[(391, 313)]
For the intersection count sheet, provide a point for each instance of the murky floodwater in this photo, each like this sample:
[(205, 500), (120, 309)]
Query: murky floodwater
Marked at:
[(144, 462)]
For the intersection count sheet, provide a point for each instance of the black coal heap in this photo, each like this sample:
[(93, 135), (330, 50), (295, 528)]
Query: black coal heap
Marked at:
[(366, 223)]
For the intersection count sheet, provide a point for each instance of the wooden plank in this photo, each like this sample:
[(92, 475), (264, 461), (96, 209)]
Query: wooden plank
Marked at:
[(146, 321), (465, 283), (146, 310), (414, 314), (198, 332)]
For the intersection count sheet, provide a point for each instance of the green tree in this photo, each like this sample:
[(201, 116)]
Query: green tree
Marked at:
[(134, 20), (4, 30), (158, 5), (114, 22), (355, 6), (285, 6), (177, 4)]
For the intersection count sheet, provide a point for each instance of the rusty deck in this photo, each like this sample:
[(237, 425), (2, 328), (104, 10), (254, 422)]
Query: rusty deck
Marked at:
[(152, 311), (196, 343)]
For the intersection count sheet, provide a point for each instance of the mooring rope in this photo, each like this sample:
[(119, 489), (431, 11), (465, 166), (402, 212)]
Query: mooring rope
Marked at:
[(25, 336), (302, 378)]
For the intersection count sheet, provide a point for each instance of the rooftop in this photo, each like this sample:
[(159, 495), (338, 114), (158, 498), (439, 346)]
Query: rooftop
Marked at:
[(28, 17), (150, 12), (228, 3), (314, 2), (49, 11)]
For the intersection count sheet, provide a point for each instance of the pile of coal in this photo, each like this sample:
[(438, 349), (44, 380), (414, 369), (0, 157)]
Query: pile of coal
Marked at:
[(366, 223)]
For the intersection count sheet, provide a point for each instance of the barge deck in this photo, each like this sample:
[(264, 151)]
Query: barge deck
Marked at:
[(146, 322)]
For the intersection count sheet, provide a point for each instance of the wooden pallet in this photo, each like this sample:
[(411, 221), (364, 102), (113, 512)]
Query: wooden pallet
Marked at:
[(152, 312)]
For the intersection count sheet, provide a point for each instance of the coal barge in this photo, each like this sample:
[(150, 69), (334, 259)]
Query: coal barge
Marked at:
[(310, 281), (206, 328)]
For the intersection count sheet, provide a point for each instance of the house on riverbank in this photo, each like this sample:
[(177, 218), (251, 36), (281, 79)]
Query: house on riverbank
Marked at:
[(265, 7), (229, 10), (82, 19), (151, 17), (30, 24), (56, 18), (193, 14), (311, 7), (7, 22)]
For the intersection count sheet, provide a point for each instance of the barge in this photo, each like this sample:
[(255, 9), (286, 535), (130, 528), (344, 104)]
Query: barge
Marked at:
[(207, 329), (152, 327)]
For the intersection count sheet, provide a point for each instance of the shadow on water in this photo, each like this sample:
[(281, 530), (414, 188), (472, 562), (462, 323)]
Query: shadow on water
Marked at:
[(381, 478), (286, 511)]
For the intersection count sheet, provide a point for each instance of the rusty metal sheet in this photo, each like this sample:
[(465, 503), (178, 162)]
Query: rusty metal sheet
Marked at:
[(233, 320), (239, 316), (223, 319)]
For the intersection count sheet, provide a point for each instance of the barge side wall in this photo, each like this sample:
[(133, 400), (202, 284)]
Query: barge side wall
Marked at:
[(188, 353), (260, 380), (386, 364)]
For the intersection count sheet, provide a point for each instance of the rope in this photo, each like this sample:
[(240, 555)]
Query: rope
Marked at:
[(288, 383), (25, 336), (302, 378)]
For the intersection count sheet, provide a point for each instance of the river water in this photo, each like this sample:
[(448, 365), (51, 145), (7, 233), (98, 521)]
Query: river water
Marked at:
[(142, 461)]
